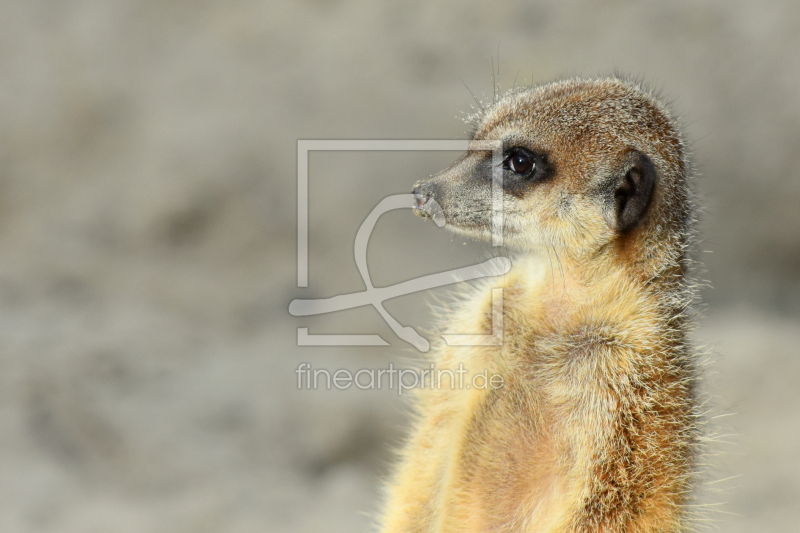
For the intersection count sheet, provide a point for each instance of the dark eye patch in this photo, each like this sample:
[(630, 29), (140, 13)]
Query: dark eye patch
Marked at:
[(521, 162), (524, 168)]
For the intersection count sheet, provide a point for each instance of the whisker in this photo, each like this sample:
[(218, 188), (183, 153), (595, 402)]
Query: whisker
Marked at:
[(478, 102)]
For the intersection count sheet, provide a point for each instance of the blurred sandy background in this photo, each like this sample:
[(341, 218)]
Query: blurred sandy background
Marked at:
[(147, 231)]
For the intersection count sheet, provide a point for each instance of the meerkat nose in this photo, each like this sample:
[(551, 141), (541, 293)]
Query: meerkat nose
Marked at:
[(421, 197), (421, 194)]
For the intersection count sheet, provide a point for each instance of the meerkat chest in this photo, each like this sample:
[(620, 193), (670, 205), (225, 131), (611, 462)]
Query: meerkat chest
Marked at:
[(499, 459)]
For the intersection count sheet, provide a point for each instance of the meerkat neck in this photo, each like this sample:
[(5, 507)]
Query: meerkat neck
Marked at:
[(568, 285)]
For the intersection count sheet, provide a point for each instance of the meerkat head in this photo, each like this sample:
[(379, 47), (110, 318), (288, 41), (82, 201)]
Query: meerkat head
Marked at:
[(584, 164)]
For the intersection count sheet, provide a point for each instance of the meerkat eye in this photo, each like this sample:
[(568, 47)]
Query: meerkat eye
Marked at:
[(520, 161)]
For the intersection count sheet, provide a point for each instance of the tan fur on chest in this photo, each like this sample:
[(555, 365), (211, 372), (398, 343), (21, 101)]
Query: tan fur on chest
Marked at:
[(514, 458)]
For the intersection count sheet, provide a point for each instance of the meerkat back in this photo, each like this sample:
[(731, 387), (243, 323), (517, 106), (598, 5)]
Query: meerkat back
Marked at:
[(595, 425)]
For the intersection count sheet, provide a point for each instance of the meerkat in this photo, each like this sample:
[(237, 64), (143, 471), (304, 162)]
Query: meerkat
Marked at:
[(595, 427)]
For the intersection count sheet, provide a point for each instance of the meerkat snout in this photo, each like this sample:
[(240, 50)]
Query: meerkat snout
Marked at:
[(421, 197)]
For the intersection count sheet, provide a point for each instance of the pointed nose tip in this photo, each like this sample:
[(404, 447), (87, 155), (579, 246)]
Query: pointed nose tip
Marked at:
[(421, 195), (421, 199), (425, 202)]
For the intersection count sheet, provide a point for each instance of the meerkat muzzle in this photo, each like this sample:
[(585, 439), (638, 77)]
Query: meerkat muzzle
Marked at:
[(422, 197), (426, 205)]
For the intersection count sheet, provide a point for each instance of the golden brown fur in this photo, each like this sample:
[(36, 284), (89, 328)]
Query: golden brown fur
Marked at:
[(594, 429)]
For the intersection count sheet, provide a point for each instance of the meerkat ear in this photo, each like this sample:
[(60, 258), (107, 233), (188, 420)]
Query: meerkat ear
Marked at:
[(634, 191)]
